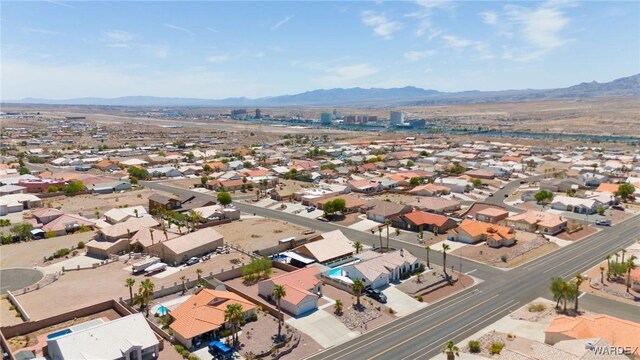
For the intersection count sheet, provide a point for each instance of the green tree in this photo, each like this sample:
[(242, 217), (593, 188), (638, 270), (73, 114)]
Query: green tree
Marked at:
[(24, 170), (477, 183), (52, 189), (337, 308), (357, 287), (22, 230), (415, 181), (630, 264), (556, 288), (445, 248), (451, 350), (129, 283), (600, 210), (410, 163), (278, 293), (138, 173), (626, 191), (543, 196), (73, 187), (146, 293), (203, 180), (224, 198), (234, 314), (577, 283)]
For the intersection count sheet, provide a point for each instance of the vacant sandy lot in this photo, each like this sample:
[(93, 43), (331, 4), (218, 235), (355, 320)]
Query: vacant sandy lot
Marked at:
[(30, 253), (86, 205), (87, 287), (258, 233), (517, 254)]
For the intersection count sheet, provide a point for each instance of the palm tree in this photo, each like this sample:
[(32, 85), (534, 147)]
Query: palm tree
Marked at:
[(184, 287), (568, 293), (428, 248), (358, 246), (278, 293), (602, 275), (357, 287), (419, 278), (579, 280), (234, 315), (445, 248), (451, 350), (608, 267), (387, 223), (630, 265), (129, 283), (146, 291), (556, 289), (380, 235), (623, 251), (338, 307), (199, 273)]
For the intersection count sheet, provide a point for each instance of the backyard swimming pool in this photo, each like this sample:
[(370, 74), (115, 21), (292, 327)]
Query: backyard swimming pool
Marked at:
[(335, 272)]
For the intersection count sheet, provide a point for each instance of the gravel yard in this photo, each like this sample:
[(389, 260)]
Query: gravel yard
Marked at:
[(86, 205), (517, 254), (30, 253)]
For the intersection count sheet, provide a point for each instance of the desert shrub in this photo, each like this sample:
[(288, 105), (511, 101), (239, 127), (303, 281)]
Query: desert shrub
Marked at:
[(49, 234), (193, 357), (537, 307), (254, 317), (496, 347), (503, 258), (474, 346), (80, 244), (419, 298), (391, 311), (61, 252)]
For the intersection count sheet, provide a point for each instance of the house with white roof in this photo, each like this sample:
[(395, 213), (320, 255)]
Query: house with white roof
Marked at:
[(577, 205), (127, 338), (378, 270)]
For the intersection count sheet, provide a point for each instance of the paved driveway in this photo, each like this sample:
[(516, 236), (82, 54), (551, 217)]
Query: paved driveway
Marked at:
[(323, 327), (312, 215), (400, 302), (366, 225)]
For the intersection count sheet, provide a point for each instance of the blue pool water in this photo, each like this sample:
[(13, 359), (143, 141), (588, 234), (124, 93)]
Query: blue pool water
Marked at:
[(335, 272), (58, 334)]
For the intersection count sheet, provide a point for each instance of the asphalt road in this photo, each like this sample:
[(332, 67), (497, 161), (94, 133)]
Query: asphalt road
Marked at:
[(422, 334)]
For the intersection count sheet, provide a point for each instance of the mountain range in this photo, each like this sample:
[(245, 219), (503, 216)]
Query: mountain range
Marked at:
[(373, 97)]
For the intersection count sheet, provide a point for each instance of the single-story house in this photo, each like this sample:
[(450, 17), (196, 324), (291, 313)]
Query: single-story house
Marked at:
[(574, 204), (117, 215), (380, 210), (110, 187), (352, 203), (203, 314), (303, 288), (18, 202), (472, 231), (428, 222), (129, 337), (67, 223), (330, 248), (176, 251), (158, 202), (617, 332), (533, 221), (381, 269), (491, 215), (365, 186), (126, 228), (164, 171), (436, 205), (429, 190)]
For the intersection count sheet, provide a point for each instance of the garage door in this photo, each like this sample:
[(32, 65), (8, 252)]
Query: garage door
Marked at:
[(309, 304)]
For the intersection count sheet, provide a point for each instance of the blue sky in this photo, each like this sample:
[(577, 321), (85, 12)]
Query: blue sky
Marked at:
[(200, 49)]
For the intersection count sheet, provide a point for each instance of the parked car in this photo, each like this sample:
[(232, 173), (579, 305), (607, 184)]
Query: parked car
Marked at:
[(490, 194), (192, 261), (603, 222), (376, 295), (523, 181), (311, 208), (506, 195)]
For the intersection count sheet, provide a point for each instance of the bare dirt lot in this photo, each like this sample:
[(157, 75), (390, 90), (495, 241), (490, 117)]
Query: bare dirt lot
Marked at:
[(86, 205), (515, 255), (31, 253), (258, 233), (89, 286)]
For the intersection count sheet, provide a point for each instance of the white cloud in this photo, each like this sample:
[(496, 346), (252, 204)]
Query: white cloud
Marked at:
[(456, 42), (417, 55), (117, 38), (345, 75), (437, 4), (489, 17), (218, 58), (179, 28), (281, 22), (40, 31), (382, 27)]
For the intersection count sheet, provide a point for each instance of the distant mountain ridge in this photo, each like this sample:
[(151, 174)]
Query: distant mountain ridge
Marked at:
[(373, 97)]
